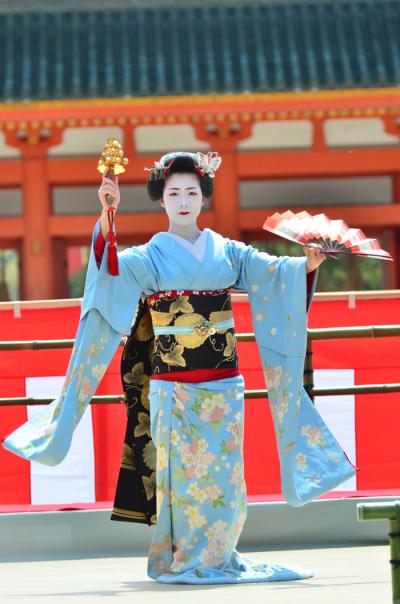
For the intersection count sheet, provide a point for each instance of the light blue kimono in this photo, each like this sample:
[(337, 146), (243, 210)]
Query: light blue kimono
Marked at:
[(312, 462)]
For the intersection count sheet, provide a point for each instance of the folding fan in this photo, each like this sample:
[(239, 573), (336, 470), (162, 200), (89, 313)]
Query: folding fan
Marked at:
[(331, 236)]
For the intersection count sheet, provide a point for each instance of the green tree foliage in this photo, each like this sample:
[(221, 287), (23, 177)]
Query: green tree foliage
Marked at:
[(77, 279), (77, 283)]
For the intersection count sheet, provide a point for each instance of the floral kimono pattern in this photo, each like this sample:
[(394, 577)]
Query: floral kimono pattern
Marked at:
[(195, 427), (201, 491)]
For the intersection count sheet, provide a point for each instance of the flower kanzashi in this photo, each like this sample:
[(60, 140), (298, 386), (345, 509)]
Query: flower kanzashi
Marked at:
[(209, 163)]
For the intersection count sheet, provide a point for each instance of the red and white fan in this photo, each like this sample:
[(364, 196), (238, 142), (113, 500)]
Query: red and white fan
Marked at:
[(331, 236)]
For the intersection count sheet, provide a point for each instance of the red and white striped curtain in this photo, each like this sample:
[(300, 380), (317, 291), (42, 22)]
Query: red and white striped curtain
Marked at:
[(365, 425)]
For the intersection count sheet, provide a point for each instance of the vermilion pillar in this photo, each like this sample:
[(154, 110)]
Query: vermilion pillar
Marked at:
[(224, 137), (318, 142), (36, 262), (37, 266), (226, 196), (394, 239)]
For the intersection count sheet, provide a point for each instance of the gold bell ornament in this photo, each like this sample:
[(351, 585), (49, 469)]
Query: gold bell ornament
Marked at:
[(112, 163)]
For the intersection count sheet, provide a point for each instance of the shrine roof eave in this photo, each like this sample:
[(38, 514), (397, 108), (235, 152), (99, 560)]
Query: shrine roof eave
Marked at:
[(187, 109), (163, 48)]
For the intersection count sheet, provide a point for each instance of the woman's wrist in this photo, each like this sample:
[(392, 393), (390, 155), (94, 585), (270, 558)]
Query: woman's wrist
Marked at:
[(104, 223)]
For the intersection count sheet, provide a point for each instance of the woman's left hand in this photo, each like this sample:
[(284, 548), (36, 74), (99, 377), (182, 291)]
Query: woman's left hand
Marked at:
[(315, 257)]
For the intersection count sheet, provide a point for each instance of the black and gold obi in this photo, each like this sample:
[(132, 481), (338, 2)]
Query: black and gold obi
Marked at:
[(192, 332), (174, 333)]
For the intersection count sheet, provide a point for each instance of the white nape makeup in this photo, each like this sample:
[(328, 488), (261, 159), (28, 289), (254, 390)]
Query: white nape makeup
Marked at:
[(183, 200)]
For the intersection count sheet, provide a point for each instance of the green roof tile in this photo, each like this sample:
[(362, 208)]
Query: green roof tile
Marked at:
[(196, 48)]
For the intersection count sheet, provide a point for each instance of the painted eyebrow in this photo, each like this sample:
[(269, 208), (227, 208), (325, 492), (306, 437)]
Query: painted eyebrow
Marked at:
[(178, 189)]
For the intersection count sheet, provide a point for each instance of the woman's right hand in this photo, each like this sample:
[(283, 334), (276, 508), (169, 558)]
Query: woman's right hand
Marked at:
[(109, 187)]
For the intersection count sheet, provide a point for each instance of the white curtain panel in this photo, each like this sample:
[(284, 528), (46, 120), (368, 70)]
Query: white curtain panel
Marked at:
[(339, 413), (73, 480)]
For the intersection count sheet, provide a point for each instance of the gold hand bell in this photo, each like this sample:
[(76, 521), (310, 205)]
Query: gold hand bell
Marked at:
[(112, 161)]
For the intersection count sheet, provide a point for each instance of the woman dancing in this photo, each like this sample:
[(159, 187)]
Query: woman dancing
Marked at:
[(182, 464)]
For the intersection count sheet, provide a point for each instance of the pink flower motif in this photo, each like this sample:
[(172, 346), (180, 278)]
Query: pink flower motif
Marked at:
[(217, 414), (273, 376), (208, 458), (213, 546), (86, 389), (179, 555), (182, 395), (204, 416), (230, 443), (194, 447), (189, 472), (161, 567)]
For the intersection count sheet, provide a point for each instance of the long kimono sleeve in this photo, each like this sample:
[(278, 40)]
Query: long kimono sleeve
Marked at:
[(107, 311), (311, 460), (116, 296)]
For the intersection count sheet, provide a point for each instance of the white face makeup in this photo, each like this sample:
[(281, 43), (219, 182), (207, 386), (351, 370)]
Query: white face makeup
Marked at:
[(182, 199)]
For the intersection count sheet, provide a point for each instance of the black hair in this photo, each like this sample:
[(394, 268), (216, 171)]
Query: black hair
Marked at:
[(178, 162)]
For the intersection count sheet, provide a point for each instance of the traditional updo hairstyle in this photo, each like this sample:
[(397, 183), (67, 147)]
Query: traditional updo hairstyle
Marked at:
[(181, 162)]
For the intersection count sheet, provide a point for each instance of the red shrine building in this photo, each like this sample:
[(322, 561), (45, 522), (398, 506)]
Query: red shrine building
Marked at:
[(300, 98)]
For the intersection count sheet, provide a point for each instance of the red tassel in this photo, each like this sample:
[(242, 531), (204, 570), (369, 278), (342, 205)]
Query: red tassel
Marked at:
[(113, 268)]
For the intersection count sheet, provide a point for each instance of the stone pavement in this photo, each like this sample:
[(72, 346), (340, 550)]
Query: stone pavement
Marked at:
[(343, 575)]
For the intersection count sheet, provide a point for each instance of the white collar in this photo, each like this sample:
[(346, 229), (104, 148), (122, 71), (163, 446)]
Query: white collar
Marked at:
[(197, 248)]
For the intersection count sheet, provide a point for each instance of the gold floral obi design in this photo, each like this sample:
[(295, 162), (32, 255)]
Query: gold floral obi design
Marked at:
[(192, 331)]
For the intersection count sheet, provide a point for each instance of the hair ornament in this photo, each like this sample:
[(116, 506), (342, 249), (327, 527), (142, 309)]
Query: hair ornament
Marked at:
[(203, 164), (209, 163), (157, 171), (198, 170), (167, 167)]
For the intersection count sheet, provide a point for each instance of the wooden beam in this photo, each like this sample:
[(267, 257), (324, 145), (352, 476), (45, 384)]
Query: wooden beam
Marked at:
[(70, 171), (10, 173), (126, 224), (309, 164), (251, 220), (143, 226), (251, 165), (11, 229)]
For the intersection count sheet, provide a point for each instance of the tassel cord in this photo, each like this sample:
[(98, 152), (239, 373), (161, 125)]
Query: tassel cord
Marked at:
[(112, 243)]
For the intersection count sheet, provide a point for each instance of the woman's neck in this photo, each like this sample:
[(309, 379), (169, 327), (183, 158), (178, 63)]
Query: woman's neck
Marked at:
[(191, 232)]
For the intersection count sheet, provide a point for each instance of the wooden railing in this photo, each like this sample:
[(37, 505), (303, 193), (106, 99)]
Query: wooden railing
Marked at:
[(387, 511), (369, 331)]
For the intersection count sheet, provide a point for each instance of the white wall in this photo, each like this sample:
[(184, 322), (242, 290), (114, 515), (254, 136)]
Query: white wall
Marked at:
[(85, 141), (318, 192)]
